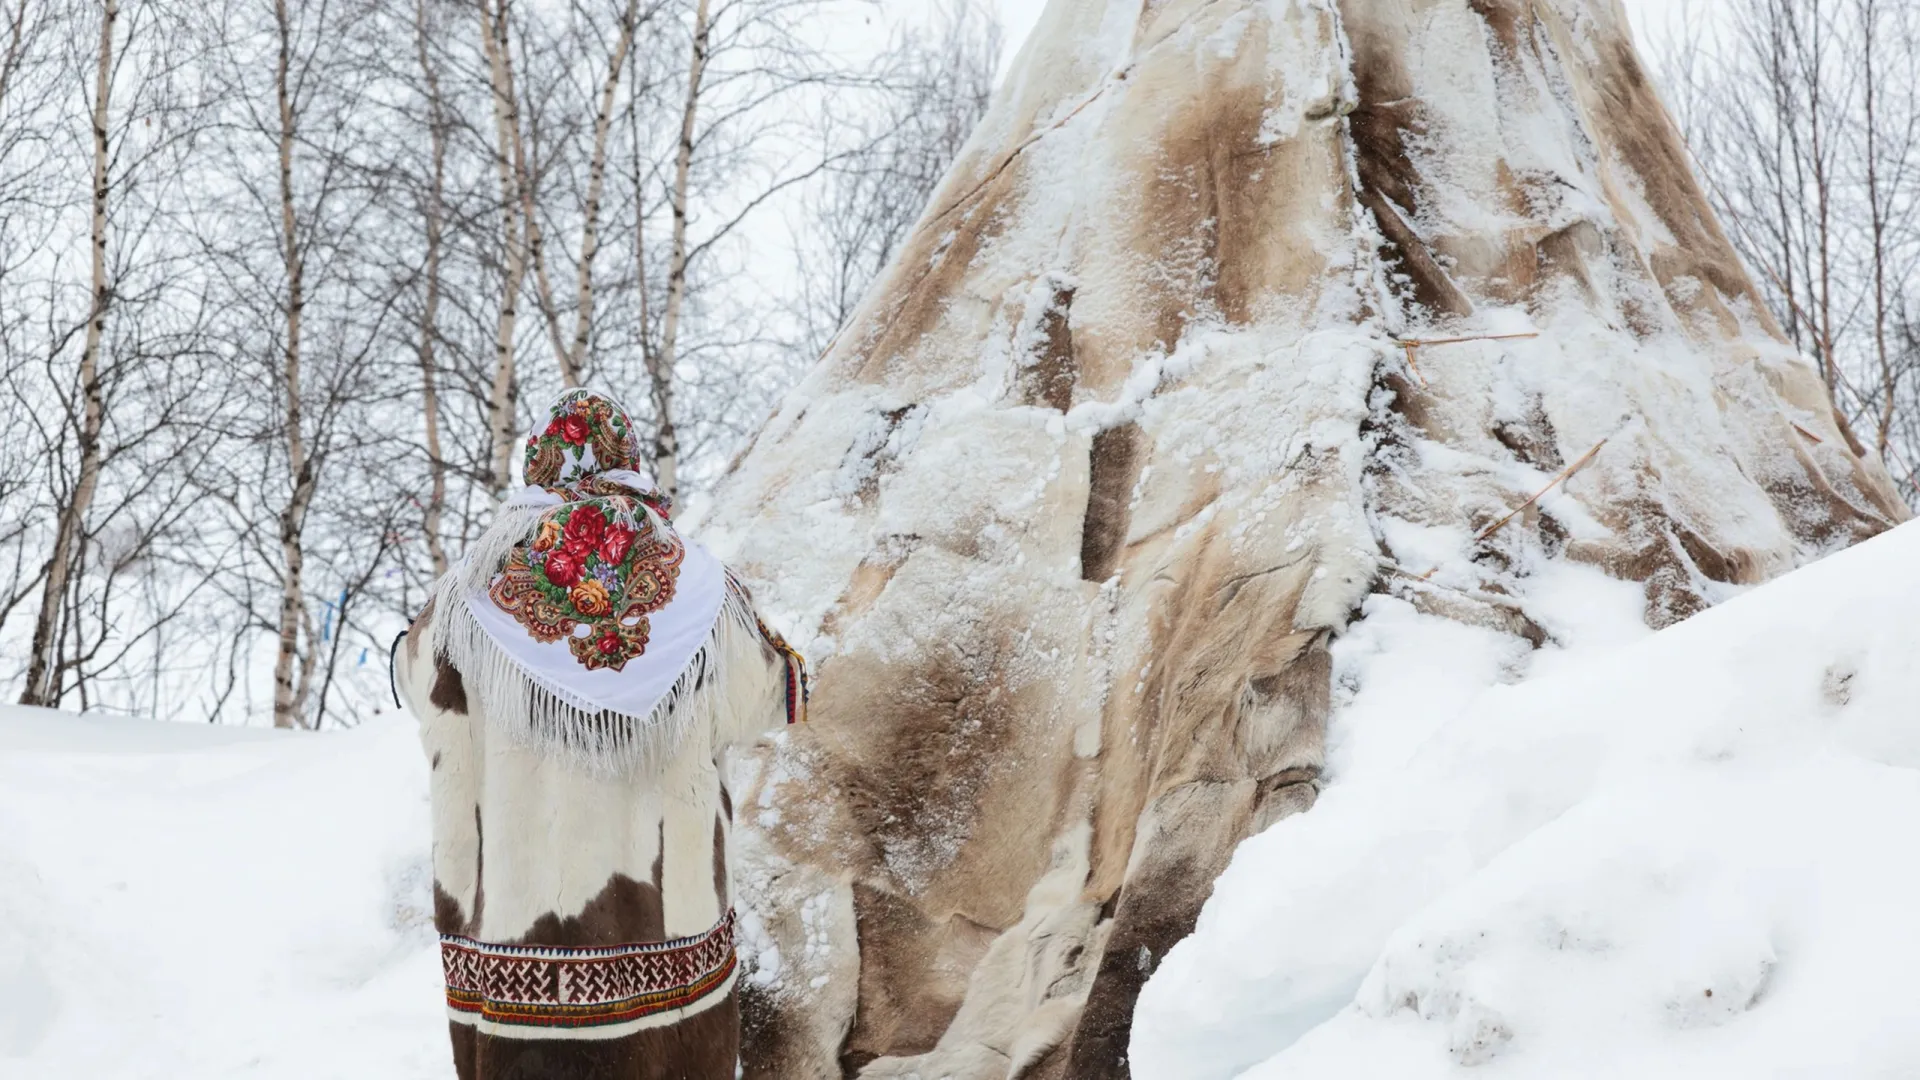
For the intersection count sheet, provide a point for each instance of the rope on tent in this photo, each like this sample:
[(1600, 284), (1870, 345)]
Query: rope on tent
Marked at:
[(1516, 511), (1413, 346), (1538, 495), (1504, 602)]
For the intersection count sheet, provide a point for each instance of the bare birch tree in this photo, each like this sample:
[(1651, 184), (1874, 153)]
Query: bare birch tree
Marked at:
[(42, 687), (495, 23), (287, 702), (577, 359), (262, 359), (1804, 117), (434, 212), (938, 79), (666, 440)]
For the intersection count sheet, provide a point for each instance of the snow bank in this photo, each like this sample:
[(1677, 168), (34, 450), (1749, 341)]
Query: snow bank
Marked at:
[(1684, 855), (187, 901)]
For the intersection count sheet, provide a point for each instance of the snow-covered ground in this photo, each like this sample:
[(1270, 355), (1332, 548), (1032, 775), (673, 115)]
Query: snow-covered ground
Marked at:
[(1675, 854), (180, 901), (1685, 854)]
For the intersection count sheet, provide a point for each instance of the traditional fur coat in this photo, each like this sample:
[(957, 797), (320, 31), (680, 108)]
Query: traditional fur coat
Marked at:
[(577, 683)]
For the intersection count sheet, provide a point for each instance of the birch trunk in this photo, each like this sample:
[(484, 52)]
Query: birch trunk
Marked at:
[(1783, 215), (537, 256), (506, 122), (638, 179), (289, 699), (1816, 83), (1877, 218), (431, 514), (10, 63), (44, 671), (575, 362), (666, 442)]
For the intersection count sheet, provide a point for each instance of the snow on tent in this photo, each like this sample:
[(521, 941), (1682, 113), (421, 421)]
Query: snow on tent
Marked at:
[(1241, 331)]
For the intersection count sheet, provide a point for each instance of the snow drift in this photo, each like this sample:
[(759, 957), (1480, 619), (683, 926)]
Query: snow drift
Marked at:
[(1686, 856), (1677, 854), (189, 901)]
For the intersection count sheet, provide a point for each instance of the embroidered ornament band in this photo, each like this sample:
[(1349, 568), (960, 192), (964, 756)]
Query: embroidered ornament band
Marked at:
[(543, 987), (798, 689)]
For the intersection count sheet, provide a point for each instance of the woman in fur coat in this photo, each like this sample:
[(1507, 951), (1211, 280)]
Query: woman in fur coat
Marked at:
[(577, 681)]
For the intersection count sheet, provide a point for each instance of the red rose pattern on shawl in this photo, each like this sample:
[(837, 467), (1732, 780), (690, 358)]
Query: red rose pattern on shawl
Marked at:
[(593, 573), (587, 435), (595, 568)]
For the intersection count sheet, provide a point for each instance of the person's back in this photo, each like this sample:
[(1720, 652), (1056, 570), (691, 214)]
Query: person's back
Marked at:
[(577, 683)]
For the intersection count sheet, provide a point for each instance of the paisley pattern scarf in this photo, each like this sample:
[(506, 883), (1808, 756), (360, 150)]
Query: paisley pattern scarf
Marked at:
[(595, 561), (582, 617)]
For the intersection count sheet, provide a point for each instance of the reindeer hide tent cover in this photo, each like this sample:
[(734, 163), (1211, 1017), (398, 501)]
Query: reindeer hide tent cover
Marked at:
[(1129, 430)]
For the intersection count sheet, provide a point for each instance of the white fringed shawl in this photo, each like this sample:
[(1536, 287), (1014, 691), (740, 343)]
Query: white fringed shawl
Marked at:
[(528, 701), (608, 721)]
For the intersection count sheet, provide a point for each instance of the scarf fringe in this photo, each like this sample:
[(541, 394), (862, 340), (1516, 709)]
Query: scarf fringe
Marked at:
[(547, 718)]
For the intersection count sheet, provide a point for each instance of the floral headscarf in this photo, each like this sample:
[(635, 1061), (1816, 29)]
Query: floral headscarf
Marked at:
[(597, 565), (589, 447)]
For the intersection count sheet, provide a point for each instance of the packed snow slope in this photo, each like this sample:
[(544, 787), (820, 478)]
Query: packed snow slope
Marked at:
[(179, 901), (1626, 854), (1689, 855)]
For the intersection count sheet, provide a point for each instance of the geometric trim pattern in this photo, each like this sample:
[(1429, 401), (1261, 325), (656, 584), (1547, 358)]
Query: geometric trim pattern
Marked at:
[(540, 986), (798, 690)]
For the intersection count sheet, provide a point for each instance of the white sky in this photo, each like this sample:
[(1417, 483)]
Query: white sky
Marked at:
[(1018, 16), (1649, 17)]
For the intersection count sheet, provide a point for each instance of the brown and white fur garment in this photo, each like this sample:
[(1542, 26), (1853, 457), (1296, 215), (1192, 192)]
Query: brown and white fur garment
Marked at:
[(531, 848)]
